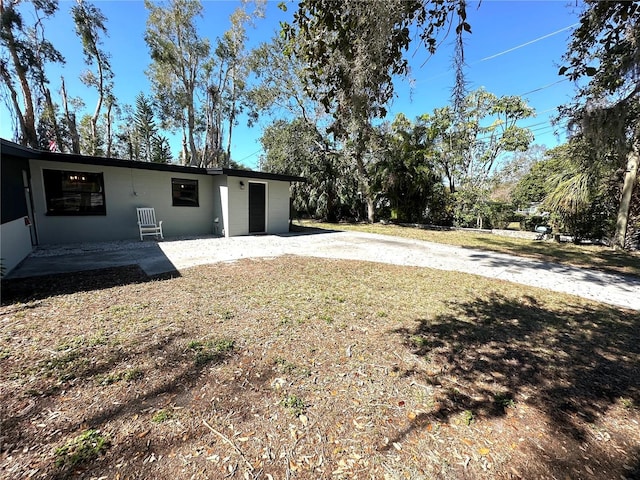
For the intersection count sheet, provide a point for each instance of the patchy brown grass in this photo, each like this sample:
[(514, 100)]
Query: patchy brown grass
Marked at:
[(308, 368), (586, 256)]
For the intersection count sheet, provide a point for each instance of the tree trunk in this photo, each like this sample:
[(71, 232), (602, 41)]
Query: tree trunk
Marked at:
[(371, 210), (365, 184), (14, 97), (191, 124), (232, 115), (54, 120), (108, 124), (71, 121), (185, 148), (630, 180), (27, 118), (96, 113)]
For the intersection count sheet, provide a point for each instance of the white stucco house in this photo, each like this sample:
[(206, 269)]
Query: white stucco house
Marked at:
[(53, 198)]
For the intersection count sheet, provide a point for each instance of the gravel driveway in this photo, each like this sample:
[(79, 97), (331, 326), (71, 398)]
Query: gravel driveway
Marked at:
[(156, 258)]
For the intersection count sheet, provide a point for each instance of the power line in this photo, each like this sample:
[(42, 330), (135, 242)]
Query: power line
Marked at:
[(547, 125), (543, 87), (249, 156), (511, 50), (527, 43)]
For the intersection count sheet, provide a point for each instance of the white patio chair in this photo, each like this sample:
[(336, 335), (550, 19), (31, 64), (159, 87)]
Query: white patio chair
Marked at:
[(147, 223)]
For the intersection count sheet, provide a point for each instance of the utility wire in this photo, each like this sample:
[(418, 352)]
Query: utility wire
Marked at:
[(249, 156), (543, 87), (547, 124), (511, 49), (527, 43)]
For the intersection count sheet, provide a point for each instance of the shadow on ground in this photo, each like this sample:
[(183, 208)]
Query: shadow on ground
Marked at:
[(572, 364), (300, 230), (36, 288), (603, 259)]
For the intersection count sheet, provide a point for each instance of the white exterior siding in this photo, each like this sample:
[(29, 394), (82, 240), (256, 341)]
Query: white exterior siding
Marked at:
[(278, 207), (16, 243), (238, 207), (125, 189), (220, 206)]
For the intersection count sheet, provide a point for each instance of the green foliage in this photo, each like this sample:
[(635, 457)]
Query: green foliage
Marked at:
[(500, 215), (579, 196), (211, 350), (295, 404), (470, 210), (298, 148), (533, 187), (468, 142), (404, 178), (512, 171), (146, 144), (467, 139), (607, 33), (606, 109), (133, 374), (130, 375), (353, 50), (466, 417), (627, 403), (90, 26), (90, 143), (503, 400), (145, 127), (23, 72), (177, 54), (82, 449), (161, 416)]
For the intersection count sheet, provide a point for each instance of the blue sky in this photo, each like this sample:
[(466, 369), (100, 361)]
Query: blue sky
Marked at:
[(497, 26)]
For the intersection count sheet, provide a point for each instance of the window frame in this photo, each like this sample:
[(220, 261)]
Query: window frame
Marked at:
[(180, 183), (56, 191)]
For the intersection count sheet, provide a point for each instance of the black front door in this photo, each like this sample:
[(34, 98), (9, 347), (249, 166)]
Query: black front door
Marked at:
[(257, 207)]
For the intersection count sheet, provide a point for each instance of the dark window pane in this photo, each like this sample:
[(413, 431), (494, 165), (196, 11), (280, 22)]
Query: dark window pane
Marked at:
[(184, 192), (74, 193)]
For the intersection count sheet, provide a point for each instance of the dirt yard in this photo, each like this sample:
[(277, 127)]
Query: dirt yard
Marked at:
[(306, 368)]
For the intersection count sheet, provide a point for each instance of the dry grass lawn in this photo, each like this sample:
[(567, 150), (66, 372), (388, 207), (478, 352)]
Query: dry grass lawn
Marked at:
[(308, 368)]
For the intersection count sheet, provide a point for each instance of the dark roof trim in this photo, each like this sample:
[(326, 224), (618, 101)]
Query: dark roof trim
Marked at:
[(15, 150), (10, 148), (234, 172)]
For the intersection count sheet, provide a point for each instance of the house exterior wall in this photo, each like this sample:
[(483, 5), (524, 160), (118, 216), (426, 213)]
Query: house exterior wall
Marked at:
[(12, 194), (238, 207), (15, 234), (277, 204), (125, 189), (220, 205), (278, 194), (16, 243)]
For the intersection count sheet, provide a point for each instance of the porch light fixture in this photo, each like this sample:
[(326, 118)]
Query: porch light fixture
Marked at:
[(241, 185)]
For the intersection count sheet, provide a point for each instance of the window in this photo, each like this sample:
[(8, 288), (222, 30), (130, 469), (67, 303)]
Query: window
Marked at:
[(74, 193), (184, 192)]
